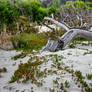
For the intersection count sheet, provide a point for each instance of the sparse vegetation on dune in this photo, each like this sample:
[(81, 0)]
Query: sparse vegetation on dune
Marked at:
[(32, 71)]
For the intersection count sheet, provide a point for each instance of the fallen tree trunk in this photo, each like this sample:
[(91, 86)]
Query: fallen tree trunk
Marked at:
[(67, 37)]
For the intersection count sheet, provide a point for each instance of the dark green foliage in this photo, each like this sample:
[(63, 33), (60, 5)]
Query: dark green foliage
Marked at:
[(8, 12), (51, 10), (34, 9), (41, 13)]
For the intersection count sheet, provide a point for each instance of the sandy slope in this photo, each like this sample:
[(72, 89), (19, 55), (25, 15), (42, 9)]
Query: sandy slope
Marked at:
[(74, 58)]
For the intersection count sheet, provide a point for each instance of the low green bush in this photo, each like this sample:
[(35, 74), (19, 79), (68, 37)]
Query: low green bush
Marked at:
[(41, 13), (52, 10), (33, 9), (8, 12)]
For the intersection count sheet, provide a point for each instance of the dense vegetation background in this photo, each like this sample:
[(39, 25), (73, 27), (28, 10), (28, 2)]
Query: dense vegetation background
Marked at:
[(32, 10), (18, 16)]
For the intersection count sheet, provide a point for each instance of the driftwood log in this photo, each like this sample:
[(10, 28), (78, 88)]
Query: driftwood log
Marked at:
[(67, 37)]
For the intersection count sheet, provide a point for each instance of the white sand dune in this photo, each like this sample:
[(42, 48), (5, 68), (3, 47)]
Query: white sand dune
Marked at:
[(74, 58)]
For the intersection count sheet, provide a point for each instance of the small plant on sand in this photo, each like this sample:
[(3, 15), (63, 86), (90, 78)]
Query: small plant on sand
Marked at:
[(89, 76), (69, 53), (56, 82), (32, 89), (79, 75), (51, 90), (3, 69), (72, 45), (31, 71), (67, 84), (88, 52), (22, 55)]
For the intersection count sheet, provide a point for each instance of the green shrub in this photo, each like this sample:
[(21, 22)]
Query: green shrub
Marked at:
[(8, 12), (31, 8), (42, 12), (34, 9), (51, 10)]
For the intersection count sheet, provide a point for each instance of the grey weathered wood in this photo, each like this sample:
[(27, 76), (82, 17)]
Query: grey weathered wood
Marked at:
[(66, 38), (51, 45), (64, 26), (74, 33)]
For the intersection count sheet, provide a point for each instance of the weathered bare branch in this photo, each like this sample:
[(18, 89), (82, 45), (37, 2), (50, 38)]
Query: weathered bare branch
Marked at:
[(67, 37), (66, 27)]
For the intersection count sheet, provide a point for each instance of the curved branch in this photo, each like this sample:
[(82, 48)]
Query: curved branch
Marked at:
[(67, 37), (66, 27), (74, 33)]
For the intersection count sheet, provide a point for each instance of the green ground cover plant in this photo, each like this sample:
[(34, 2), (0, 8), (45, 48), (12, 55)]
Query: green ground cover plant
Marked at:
[(89, 76), (30, 41), (31, 71)]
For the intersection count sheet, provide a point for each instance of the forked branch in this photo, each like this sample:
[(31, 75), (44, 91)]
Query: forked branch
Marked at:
[(67, 37)]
